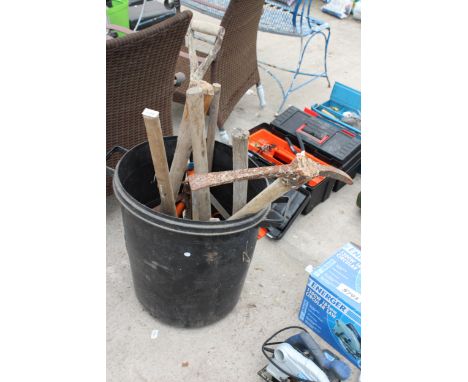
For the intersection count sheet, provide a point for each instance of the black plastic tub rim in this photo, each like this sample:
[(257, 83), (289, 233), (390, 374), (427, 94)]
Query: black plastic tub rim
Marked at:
[(175, 224)]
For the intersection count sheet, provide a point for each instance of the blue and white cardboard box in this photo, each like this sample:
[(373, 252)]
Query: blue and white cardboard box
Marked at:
[(332, 302)]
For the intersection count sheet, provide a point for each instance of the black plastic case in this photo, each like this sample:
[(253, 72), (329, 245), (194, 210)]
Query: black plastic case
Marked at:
[(319, 193), (286, 209), (325, 140)]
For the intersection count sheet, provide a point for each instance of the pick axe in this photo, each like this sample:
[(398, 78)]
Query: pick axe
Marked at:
[(301, 170)]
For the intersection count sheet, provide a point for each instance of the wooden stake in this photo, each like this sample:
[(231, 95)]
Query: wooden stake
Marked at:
[(158, 155), (240, 160), (213, 124), (201, 205)]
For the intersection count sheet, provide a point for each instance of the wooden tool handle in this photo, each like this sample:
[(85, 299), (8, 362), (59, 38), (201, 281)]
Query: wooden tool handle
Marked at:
[(158, 155), (213, 179)]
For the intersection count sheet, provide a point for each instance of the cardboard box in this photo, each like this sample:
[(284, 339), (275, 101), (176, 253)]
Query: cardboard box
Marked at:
[(331, 306)]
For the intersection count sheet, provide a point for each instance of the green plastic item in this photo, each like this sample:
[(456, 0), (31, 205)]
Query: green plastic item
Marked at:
[(118, 14)]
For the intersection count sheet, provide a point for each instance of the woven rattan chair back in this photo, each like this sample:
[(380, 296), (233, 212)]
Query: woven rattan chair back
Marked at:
[(140, 70)]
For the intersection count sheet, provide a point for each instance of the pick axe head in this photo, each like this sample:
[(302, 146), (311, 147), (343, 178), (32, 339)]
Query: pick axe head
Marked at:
[(299, 171), (303, 169)]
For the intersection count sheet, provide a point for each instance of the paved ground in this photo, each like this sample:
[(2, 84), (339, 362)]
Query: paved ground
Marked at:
[(230, 349)]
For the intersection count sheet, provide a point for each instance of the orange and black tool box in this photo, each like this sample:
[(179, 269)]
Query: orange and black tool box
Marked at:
[(272, 149), (324, 139)]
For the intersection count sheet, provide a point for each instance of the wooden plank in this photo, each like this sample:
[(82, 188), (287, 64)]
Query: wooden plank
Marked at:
[(158, 155), (240, 160), (201, 204)]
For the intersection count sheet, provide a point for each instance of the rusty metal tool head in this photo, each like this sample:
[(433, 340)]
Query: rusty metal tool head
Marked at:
[(299, 171)]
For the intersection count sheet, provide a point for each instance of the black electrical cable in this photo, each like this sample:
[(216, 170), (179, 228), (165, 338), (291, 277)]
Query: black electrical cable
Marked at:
[(266, 343)]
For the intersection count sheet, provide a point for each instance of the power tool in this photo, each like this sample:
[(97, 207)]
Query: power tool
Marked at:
[(300, 358), (349, 338)]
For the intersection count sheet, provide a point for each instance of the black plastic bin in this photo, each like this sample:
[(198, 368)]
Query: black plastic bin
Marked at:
[(185, 273)]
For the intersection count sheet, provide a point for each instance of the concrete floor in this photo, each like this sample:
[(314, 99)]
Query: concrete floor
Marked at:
[(140, 348)]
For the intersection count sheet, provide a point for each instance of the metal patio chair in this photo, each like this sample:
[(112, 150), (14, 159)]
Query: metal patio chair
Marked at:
[(284, 18)]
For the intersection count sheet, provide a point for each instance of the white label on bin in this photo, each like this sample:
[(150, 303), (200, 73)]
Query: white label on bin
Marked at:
[(187, 254), (351, 293)]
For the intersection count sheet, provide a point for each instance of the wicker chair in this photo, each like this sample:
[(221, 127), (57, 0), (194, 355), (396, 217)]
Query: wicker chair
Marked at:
[(235, 67), (140, 70)]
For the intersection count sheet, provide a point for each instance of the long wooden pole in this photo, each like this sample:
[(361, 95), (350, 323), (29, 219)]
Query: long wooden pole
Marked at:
[(201, 204), (158, 155), (240, 160), (214, 179)]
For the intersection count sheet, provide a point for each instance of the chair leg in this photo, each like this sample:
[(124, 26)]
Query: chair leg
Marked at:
[(327, 38), (261, 95)]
